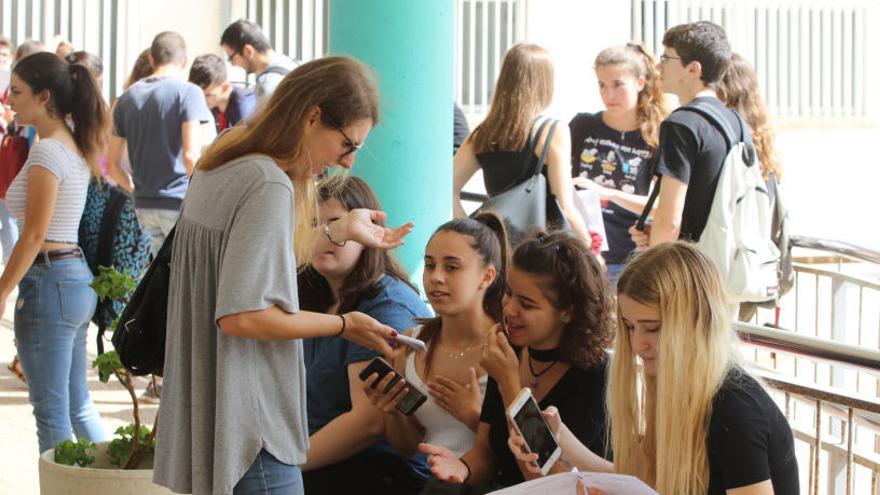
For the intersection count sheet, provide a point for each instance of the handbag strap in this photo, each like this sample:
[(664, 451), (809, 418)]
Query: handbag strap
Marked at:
[(546, 149), (533, 147)]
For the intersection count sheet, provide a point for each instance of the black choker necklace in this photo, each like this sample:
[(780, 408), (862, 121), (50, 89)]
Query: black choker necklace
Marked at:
[(544, 355)]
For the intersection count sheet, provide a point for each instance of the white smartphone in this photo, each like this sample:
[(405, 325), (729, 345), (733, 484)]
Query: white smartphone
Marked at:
[(531, 425), (411, 342)]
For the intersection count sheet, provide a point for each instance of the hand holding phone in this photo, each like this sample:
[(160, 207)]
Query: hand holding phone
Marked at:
[(391, 386), (528, 421)]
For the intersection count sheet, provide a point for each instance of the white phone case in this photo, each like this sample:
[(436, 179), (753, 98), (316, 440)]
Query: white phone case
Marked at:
[(524, 396)]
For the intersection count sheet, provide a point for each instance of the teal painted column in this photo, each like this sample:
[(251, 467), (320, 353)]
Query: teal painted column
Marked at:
[(407, 158)]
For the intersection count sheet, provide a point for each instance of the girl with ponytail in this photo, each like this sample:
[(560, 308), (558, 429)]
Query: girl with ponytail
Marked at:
[(64, 104), (464, 279), (558, 322), (612, 151)]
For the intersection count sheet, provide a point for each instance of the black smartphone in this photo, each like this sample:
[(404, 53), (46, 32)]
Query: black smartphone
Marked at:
[(413, 399)]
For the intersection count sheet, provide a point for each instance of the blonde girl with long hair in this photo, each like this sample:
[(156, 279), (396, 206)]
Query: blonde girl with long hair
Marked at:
[(233, 405), (704, 426), (612, 151), (500, 144)]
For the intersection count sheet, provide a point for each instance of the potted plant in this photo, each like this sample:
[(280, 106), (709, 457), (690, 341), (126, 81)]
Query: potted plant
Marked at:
[(123, 465)]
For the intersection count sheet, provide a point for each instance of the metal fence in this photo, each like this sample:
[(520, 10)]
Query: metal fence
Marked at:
[(91, 25), (810, 56)]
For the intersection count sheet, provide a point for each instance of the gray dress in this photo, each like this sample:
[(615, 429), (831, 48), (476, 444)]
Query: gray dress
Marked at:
[(224, 398)]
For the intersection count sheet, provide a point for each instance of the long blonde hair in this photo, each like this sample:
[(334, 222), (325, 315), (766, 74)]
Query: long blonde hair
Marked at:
[(662, 439), (651, 106), (739, 90), (523, 90), (342, 88)]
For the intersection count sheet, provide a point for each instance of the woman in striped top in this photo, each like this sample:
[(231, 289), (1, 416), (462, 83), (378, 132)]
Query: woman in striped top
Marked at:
[(55, 301)]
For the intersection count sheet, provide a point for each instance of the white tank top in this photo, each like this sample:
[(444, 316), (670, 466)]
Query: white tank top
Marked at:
[(440, 427)]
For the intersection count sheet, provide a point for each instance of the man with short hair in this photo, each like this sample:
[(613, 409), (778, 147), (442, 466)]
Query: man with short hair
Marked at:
[(247, 47), (229, 104), (159, 118), (692, 150)]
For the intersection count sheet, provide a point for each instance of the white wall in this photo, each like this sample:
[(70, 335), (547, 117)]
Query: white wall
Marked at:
[(199, 21), (574, 32)]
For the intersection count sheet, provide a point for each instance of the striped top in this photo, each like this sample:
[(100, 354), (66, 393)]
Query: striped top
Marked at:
[(73, 182)]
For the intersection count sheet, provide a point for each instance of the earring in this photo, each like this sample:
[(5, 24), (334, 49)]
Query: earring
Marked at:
[(565, 318)]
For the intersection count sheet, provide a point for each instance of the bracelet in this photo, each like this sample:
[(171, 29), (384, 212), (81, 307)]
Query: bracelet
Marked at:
[(343, 326), (466, 478), (330, 238)]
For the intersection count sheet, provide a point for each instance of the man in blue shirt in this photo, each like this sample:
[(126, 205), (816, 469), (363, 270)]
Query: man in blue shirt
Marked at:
[(160, 119)]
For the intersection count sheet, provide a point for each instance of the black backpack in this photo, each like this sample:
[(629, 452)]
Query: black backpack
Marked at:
[(111, 236), (139, 337)]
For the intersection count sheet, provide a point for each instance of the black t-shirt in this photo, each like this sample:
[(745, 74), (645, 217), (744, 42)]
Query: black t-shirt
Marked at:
[(749, 439), (580, 397), (619, 160), (692, 150)]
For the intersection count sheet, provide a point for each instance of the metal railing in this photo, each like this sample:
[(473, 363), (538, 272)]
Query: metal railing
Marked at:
[(837, 416), (825, 362)]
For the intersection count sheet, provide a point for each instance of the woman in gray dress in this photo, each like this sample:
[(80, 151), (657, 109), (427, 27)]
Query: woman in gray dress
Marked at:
[(233, 416)]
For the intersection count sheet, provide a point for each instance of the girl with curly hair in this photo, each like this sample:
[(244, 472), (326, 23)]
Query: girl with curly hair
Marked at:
[(685, 415), (558, 317)]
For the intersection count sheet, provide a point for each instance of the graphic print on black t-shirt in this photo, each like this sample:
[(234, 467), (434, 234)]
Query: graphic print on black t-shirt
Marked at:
[(617, 160)]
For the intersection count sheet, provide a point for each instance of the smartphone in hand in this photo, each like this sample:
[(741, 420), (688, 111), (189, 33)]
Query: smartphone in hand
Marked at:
[(414, 397), (531, 425)]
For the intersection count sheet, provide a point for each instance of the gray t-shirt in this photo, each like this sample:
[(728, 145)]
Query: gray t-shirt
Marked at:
[(224, 398), (149, 115)]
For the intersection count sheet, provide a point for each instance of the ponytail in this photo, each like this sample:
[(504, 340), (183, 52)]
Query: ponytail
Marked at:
[(651, 107), (90, 117), (493, 301)]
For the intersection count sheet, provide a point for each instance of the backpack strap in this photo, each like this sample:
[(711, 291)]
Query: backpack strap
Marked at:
[(106, 241), (274, 69), (640, 225)]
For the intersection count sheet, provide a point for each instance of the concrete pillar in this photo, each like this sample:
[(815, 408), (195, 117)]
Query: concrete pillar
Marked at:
[(407, 158)]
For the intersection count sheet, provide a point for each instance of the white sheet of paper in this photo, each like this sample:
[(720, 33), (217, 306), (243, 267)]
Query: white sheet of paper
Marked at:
[(587, 203), (566, 484)]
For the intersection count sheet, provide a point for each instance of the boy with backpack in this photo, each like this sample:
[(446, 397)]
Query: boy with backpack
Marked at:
[(710, 189)]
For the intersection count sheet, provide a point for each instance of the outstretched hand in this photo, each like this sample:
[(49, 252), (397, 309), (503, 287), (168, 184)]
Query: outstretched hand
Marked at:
[(444, 464), (359, 227)]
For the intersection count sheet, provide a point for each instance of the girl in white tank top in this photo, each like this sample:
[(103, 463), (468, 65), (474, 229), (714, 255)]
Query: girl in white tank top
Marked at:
[(464, 279)]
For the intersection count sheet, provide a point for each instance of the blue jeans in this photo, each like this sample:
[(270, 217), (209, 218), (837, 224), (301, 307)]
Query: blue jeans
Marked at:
[(52, 316), (8, 232), (158, 223), (269, 476)]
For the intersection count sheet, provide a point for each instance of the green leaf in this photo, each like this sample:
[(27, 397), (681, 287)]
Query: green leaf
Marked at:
[(107, 364), (80, 453), (113, 285)]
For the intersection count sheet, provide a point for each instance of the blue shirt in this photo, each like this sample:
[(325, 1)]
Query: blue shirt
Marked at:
[(149, 116), (327, 359)]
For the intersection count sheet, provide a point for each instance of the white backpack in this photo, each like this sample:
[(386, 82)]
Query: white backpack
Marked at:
[(737, 233)]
